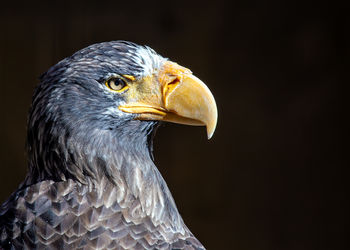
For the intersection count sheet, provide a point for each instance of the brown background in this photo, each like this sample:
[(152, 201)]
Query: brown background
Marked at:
[(271, 176)]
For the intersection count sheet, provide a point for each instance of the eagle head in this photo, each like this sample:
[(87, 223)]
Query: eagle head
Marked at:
[(100, 106)]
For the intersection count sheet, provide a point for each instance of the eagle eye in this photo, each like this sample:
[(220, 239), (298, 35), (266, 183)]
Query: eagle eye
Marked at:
[(116, 84)]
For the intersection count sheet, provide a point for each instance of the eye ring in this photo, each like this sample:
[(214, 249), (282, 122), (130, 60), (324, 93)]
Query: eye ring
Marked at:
[(116, 84)]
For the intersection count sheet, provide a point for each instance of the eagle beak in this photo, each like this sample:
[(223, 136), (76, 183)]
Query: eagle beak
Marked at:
[(174, 95)]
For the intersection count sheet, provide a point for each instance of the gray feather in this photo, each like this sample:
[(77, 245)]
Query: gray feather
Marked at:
[(92, 183)]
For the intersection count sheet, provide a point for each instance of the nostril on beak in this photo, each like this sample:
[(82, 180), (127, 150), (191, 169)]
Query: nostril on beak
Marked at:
[(175, 81), (169, 87)]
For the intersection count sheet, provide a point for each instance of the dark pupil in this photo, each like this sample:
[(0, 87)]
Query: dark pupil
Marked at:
[(118, 82)]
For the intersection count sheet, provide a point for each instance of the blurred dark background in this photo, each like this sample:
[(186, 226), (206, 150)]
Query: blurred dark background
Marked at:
[(271, 177)]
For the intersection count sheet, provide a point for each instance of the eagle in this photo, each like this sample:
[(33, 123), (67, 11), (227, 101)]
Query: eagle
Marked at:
[(92, 182)]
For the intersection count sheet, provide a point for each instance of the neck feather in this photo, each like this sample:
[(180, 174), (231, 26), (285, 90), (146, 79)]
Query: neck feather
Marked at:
[(123, 159)]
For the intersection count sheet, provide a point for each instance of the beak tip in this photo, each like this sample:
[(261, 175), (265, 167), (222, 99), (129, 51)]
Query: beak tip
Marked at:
[(210, 134), (210, 131), (212, 121)]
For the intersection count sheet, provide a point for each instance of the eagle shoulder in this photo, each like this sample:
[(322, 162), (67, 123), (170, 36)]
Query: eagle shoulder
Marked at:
[(69, 215)]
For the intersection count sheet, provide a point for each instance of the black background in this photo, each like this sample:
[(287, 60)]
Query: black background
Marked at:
[(271, 177)]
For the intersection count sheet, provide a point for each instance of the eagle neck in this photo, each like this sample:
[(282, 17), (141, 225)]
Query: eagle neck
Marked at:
[(121, 156), (134, 171)]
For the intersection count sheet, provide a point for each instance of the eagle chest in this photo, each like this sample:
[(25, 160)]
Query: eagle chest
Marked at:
[(69, 215)]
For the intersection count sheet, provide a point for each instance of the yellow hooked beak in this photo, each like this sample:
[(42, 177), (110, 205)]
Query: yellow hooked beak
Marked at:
[(172, 94)]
